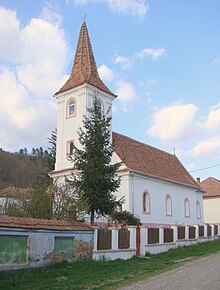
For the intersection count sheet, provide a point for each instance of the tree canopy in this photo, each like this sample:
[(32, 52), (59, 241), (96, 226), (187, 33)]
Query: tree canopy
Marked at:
[(95, 180)]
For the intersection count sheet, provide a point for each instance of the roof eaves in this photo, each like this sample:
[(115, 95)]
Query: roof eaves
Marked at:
[(82, 83), (166, 179)]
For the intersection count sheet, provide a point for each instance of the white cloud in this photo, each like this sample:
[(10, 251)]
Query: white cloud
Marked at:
[(179, 125), (50, 15), (124, 61), (172, 123), (44, 50), (106, 73), (154, 53), (10, 30), (13, 97), (38, 56), (213, 120), (136, 8), (126, 92), (82, 2), (208, 148)]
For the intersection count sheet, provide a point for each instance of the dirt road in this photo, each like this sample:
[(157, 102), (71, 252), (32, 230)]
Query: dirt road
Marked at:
[(200, 274)]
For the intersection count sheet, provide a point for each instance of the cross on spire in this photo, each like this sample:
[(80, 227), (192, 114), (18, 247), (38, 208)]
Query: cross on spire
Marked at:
[(174, 150), (84, 17)]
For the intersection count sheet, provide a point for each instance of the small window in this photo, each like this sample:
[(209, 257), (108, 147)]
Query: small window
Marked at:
[(98, 105), (168, 205), (70, 148), (71, 108), (198, 209), (146, 202), (187, 208)]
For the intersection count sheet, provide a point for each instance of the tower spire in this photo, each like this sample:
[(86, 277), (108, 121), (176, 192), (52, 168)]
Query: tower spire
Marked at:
[(84, 68)]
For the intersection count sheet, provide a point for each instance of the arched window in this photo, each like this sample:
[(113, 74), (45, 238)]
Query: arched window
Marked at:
[(198, 210), (186, 207), (71, 108), (168, 203), (98, 105), (146, 202)]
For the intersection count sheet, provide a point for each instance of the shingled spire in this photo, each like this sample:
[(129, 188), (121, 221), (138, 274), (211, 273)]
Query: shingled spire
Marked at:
[(84, 68)]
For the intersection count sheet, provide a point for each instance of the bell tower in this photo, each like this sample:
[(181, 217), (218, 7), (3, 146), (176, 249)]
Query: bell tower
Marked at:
[(73, 99)]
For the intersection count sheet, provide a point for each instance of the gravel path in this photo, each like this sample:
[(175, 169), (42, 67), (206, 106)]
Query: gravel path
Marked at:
[(200, 274)]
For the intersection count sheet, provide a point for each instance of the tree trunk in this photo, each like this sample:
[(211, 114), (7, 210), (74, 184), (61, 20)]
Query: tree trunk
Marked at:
[(92, 217)]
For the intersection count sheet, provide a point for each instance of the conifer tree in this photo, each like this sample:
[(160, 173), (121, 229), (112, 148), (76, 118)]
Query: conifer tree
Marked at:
[(95, 179)]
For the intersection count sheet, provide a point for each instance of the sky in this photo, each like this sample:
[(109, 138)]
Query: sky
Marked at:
[(161, 57)]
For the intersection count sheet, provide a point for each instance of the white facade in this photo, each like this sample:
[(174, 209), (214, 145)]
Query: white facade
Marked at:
[(186, 205), (212, 209), (68, 125)]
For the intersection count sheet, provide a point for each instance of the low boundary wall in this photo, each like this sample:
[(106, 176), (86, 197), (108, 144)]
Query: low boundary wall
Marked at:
[(209, 233)]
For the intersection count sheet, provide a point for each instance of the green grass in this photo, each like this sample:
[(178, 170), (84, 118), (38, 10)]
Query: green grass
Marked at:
[(88, 274)]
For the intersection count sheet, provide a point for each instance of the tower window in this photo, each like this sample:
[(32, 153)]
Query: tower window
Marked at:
[(98, 105), (71, 108), (70, 148)]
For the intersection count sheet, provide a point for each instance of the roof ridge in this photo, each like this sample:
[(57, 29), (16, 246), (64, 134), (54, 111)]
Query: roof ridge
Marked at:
[(210, 178), (215, 179)]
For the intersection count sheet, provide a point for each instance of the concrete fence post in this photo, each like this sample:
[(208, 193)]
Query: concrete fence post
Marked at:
[(212, 230), (175, 233), (205, 231), (186, 232), (161, 235), (197, 231), (132, 230), (95, 240), (114, 238), (144, 240)]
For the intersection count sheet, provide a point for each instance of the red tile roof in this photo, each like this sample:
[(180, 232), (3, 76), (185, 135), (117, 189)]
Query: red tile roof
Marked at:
[(84, 68), (148, 160), (212, 187), (40, 224)]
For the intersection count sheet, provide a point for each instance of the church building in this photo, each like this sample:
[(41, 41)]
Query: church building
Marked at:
[(156, 186)]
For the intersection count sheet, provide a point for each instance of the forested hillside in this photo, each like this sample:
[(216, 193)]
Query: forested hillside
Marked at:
[(21, 169)]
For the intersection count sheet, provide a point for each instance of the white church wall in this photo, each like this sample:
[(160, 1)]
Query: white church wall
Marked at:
[(124, 190), (158, 190)]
